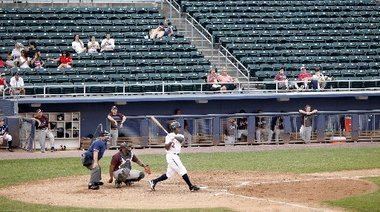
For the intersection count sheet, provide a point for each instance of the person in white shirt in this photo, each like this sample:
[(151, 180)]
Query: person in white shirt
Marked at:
[(93, 45), (17, 84), (173, 148), (24, 60), (108, 43), (16, 52), (78, 45)]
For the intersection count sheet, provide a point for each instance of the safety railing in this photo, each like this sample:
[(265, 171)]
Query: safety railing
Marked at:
[(257, 128), (236, 63), (166, 88), (228, 57)]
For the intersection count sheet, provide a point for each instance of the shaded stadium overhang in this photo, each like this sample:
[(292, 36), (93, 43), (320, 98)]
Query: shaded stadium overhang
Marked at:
[(359, 95)]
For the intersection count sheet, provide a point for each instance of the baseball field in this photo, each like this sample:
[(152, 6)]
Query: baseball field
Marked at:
[(322, 178)]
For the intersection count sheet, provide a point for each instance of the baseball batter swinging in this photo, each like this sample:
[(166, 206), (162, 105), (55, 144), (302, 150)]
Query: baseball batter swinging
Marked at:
[(173, 148)]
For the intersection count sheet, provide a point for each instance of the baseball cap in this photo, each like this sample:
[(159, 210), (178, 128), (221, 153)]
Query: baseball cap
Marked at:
[(114, 108), (2, 118), (38, 111)]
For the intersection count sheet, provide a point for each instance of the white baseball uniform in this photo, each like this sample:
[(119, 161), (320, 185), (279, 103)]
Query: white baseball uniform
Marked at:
[(172, 156)]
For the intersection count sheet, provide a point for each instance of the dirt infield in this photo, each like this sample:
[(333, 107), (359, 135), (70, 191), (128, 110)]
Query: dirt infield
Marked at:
[(241, 191)]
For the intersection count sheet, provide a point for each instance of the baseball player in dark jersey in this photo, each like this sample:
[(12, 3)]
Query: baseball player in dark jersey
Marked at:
[(121, 167), (116, 120), (4, 134)]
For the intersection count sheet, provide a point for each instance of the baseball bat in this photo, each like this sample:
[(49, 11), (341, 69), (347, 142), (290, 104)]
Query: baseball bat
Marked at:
[(158, 124)]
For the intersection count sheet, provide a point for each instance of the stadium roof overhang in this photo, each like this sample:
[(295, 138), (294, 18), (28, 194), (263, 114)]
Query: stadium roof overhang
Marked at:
[(360, 95)]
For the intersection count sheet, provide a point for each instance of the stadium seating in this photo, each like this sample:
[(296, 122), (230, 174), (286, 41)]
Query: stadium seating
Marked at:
[(340, 37), (136, 60)]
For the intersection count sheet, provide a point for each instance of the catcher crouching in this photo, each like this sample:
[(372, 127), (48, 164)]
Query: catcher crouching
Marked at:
[(121, 167)]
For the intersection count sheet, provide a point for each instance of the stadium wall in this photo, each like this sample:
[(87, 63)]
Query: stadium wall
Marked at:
[(95, 113)]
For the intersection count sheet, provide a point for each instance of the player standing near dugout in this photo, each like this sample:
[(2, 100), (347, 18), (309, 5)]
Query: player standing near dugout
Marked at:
[(121, 167), (4, 135), (307, 116), (43, 130), (173, 148), (116, 121), (91, 158)]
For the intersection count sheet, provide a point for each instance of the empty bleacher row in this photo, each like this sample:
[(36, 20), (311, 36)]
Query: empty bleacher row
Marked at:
[(136, 60), (340, 37)]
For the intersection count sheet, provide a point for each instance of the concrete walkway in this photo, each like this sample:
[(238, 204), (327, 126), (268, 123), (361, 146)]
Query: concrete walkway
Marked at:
[(20, 154)]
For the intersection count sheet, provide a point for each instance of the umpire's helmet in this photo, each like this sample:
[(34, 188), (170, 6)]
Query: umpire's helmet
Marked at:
[(174, 125)]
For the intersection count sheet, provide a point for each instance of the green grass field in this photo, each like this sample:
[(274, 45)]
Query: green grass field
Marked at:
[(294, 161)]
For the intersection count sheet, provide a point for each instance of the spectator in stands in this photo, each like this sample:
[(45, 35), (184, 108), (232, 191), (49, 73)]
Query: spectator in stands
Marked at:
[(318, 81), (24, 60), (262, 128), (9, 63), (17, 84), (3, 82), (305, 77), (93, 45), (227, 82), (2, 63), (16, 52), (212, 78), (242, 126), (65, 60), (37, 62), (307, 115), (277, 126), (281, 79), (158, 32), (108, 43), (32, 49), (78, 45)]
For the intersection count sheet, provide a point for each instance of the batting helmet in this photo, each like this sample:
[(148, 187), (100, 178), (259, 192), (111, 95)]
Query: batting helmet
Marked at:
[(174, 125)]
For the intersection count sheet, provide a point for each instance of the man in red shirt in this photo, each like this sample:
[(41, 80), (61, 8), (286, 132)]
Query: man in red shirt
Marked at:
[(121, 167), (3, 82), (304, 76), (281, 79)]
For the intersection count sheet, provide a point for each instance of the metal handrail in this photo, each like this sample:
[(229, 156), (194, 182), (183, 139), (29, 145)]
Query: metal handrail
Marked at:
[(211, 39), (164, 85), (238, 115), (237, 61)]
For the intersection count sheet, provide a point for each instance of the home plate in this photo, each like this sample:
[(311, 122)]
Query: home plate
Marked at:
[(203, 187)]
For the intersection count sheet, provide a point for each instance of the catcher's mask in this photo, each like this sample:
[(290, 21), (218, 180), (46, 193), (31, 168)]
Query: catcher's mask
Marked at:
[(126, 145)]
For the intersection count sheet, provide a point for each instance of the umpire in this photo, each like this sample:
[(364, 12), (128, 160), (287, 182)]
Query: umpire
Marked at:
[(91, 157)]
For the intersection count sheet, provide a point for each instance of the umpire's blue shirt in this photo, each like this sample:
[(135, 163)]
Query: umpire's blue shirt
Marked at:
[(99, 145)]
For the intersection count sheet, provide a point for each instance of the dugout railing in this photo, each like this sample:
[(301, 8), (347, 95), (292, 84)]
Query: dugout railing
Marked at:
[(170, 88), (224, 129)]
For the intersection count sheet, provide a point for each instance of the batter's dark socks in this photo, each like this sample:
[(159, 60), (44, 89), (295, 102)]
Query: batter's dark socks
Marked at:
[(9, 144), (187, 180), (161, 178)]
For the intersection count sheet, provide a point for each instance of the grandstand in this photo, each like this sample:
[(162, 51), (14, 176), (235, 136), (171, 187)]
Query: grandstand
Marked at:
[(135, 61), (339, 37)]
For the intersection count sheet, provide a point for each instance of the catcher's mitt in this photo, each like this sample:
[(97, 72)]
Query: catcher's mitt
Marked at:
[(147, 169)]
